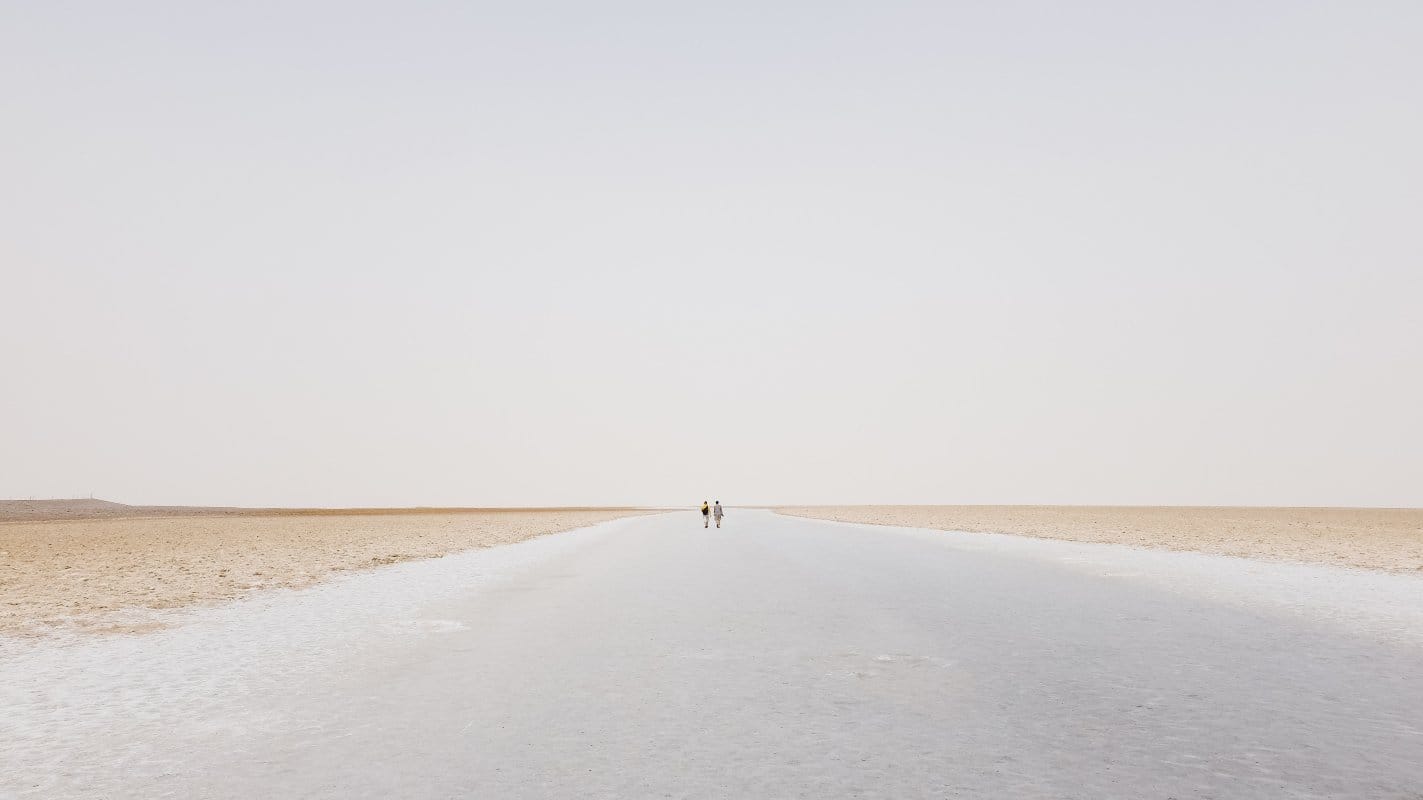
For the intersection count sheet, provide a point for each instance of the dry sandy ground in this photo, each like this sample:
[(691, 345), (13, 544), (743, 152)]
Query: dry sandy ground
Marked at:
[(83, 564), (1373, 538)]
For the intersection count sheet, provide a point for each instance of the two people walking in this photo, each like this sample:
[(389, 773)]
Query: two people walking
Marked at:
[(711, 511)]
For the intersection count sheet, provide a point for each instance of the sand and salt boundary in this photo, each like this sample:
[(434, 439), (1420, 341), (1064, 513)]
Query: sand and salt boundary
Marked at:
[(1388, 539), (87, 565)]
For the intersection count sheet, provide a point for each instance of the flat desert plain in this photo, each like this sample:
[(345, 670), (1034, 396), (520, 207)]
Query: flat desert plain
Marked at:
[(82, 564), (1371, 538)]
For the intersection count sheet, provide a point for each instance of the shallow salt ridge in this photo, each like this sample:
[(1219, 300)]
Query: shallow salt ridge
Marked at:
[(1381, 604), (214, 666)]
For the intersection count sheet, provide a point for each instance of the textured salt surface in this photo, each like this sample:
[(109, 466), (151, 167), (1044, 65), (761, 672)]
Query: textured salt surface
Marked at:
[(114, 715), (776, 657)]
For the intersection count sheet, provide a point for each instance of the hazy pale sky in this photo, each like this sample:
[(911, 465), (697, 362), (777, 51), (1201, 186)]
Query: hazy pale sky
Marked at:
[(358, 253)]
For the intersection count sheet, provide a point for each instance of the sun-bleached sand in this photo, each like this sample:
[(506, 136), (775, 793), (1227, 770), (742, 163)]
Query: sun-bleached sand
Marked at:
[(67, 565), (1388, 539)]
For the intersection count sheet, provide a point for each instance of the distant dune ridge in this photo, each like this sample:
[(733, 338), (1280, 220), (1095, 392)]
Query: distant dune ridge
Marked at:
[(95, 565), (82, 508), (1371, 538)]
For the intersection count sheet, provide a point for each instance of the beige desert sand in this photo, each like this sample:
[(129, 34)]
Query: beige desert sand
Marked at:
[(68, 565), (1372, 538)]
